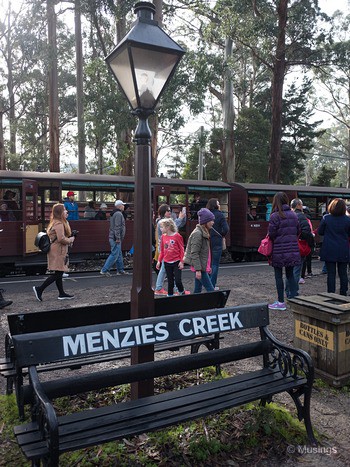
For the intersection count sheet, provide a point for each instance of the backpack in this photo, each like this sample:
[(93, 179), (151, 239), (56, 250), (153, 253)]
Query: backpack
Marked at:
[(42, 241)]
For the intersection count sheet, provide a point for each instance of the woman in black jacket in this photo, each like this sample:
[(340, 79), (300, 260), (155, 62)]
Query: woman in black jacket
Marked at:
[(217, 234)]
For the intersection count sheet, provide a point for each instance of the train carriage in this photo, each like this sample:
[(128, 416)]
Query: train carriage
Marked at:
[(36, 192), (251, 205)]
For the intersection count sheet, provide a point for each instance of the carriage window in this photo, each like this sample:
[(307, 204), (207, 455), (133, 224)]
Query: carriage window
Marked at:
[(259, 207)]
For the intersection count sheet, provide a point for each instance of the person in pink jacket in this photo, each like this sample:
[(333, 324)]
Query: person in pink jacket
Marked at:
[(172, 253)]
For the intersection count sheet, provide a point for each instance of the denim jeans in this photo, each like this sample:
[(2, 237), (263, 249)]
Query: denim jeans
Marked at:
[(160, 277), (215, 261), (343, 277), (290, 280), (297, 274), (116, 255), (205, 282)]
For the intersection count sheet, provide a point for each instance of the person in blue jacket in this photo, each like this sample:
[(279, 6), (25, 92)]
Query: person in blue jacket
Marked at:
[(217, 234), (335, 228), (71, 207)]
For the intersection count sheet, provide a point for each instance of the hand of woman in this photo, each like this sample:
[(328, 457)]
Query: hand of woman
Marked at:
[(199, 275)]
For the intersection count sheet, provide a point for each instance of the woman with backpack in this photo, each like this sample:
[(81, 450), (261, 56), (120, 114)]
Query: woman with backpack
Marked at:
[(60, 233)]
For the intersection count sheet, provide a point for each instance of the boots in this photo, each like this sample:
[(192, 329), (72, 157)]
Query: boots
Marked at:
[(4, 302)]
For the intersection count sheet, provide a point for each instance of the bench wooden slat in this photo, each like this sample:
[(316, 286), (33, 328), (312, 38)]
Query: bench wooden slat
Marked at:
[(136, 417)]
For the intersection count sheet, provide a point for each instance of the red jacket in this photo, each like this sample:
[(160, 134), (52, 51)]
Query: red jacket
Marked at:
[(171, 248)]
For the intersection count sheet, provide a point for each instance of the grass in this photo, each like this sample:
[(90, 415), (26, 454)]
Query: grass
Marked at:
[(248, 434)]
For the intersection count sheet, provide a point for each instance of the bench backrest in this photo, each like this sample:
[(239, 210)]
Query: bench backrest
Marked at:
[(66, 344), (24, 323)]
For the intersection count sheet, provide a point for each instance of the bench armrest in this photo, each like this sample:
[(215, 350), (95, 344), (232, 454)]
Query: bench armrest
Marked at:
[(44, 415), (289, 360)]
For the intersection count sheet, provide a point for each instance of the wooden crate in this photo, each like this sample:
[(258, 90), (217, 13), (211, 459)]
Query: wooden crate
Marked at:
[(322, 328)]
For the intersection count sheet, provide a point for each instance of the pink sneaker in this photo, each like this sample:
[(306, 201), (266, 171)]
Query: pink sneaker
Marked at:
[(277, 306), (160, 292)]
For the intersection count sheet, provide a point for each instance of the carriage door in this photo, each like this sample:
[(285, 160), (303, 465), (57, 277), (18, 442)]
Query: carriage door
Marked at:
[(30, 215)]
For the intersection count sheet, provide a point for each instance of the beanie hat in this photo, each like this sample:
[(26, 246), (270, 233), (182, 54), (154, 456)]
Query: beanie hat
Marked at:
[(204, 216)]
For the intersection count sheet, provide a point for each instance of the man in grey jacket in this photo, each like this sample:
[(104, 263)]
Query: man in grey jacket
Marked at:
[(116, 236)]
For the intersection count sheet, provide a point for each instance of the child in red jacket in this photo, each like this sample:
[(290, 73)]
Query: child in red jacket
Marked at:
[(172, 253)]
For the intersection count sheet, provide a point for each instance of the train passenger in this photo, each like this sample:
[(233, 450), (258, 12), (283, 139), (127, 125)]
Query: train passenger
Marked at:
[(172, 252), (305, 234), (12, 206), (101, 214), (6, 214), (61, 237), (335, 228), (71, 207), (196, 205), (217, 235), (116, 236), (164, 212), (89, 212), (197, 253), (284, 231)]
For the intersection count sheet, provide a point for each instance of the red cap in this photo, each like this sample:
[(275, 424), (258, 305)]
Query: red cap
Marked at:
[(70, 193)]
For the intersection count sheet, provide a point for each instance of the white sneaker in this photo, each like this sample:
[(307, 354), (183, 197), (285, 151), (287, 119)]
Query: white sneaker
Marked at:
[(107, 273), (65, 274)]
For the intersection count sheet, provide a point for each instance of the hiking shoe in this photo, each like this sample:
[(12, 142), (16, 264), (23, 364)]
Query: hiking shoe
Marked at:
[(123, 273), (65, 296), (277, 306), (301, 281), (160, 292), (107, 273), (38, 294)]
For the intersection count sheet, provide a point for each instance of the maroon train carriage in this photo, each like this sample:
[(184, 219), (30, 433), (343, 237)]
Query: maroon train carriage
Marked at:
[(251, 204), (36, 193)]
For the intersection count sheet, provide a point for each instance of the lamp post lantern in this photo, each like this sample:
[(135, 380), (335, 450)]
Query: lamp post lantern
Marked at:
[(143, 63)]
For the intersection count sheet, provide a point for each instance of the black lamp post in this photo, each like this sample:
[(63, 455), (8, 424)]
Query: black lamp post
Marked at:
[(143, 63)]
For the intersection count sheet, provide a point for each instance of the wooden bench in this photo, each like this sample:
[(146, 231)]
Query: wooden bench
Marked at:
[(26, 323), (282, 369)]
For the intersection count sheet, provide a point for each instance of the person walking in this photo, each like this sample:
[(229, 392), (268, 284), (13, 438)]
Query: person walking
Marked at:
[(172, 252), (116, 236), (305, 234), (164, 212), (284, 231), (335, 228), (61, 238), (217, 234), (307, 264), (197, 253), (72, 207)]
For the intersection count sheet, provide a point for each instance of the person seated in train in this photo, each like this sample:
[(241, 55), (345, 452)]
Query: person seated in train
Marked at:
[(196, 205), (101, 214), (90, 212), (71, 207), (250, 216), (261, 208), (9, 198), (6, 214)]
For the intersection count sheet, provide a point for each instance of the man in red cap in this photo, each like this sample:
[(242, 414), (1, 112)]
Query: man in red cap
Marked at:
[(72, 207)]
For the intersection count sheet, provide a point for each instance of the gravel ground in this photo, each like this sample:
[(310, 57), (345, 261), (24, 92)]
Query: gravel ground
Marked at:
[(330, 408)]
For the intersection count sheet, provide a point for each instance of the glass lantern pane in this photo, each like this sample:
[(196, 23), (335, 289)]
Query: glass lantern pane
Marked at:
[(152, 70), (122, 69)]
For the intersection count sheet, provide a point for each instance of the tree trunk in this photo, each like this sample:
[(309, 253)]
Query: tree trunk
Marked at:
[(80, 88), (228, 150), (277, 94), (2, 145), (53, 88), (12, 113)]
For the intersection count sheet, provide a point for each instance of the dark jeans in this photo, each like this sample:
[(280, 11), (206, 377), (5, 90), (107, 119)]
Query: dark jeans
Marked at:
[(215, 262), (291, 284), (173, 273), (55, 277), (343, 277)]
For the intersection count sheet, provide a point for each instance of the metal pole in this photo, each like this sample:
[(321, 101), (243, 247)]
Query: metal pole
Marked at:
[(142, 295)]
